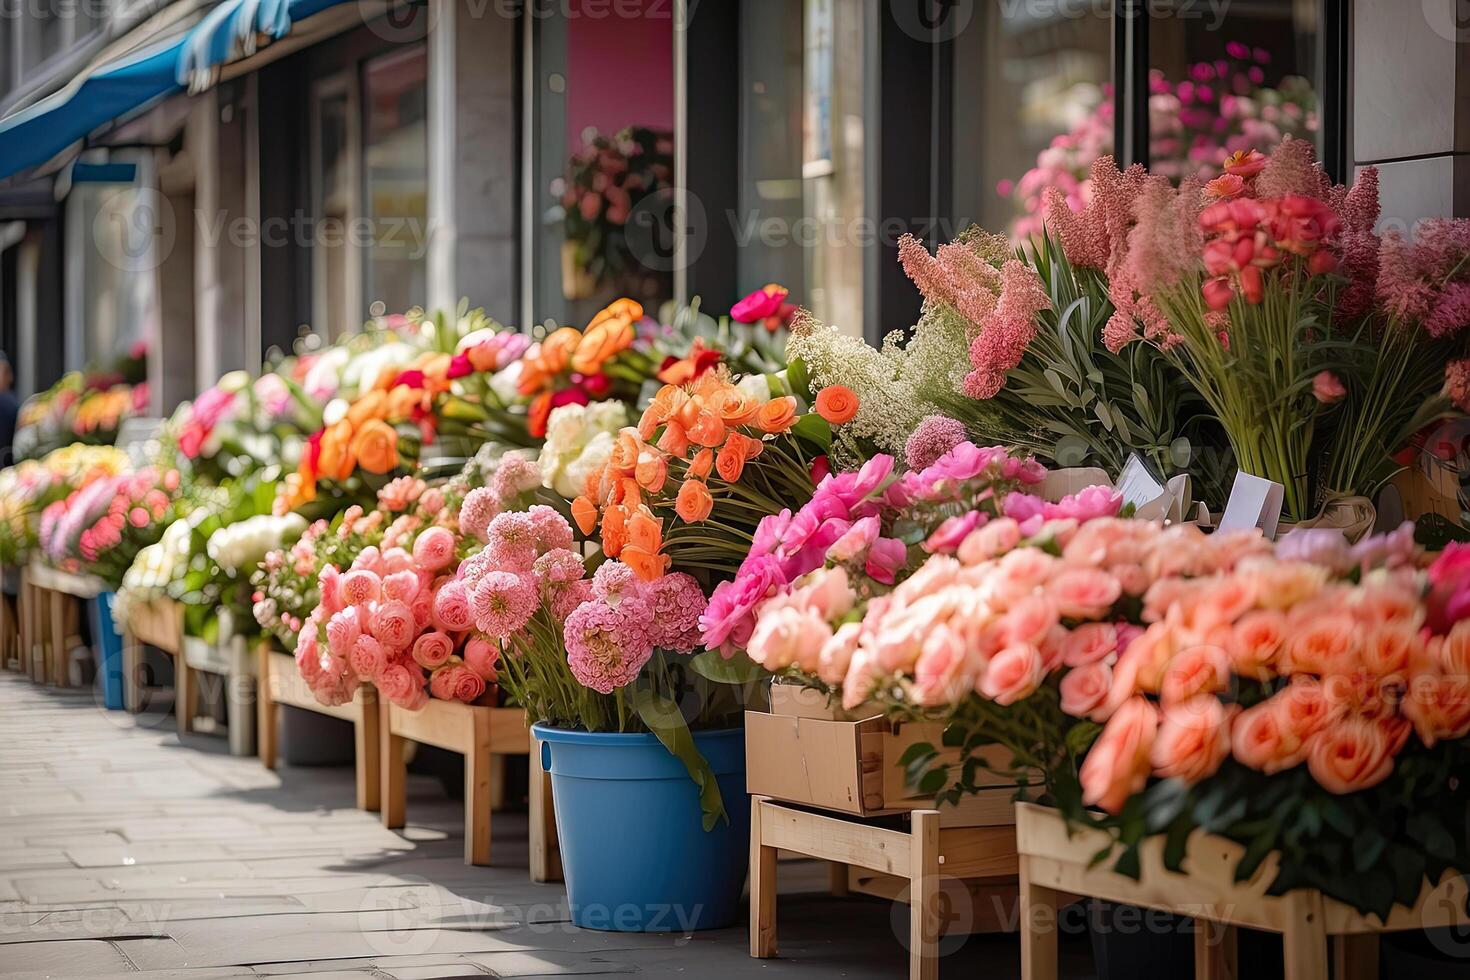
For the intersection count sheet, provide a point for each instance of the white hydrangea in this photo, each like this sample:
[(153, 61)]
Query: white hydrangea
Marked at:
[(579, 438), (239, 547)]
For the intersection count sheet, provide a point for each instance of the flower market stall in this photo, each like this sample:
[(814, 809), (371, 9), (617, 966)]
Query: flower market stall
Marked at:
[(1078, 587)]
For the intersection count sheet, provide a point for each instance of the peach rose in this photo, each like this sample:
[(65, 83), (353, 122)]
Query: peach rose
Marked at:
[(1256, 641), (1261, 740), (481, 656), (1089, 643), (785, 635), (1350, 754), (1320, 646), (1387, 649), (1012, 674), (946, 670), (827, 593), (1084, 593), (1020, 573), (837, 404), (836, 655), (1193, 739), (1199, 669), (994, 539), (433, 649), (402, 686), (1283, 584), (1304, 707), (862, 677), (1085, 689), (1117, 765), (1028, 621)]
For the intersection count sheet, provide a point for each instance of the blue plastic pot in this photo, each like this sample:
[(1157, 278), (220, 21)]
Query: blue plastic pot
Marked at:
[(107, 648), (633, 846)]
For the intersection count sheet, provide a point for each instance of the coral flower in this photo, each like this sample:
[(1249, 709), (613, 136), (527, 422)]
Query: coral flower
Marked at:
[(701, 464), (376, 446), (776, 415), (1244, 163), (761, 304), (584, 512), (837, 404), (694, 502)]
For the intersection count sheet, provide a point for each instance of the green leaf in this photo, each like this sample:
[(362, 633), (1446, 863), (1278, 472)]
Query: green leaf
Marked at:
[(738, 670), (915, 751), (814, 429), (799, 380), (663, 719)]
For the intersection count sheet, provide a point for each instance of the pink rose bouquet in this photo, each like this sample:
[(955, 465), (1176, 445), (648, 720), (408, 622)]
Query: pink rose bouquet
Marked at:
[(101, 527)]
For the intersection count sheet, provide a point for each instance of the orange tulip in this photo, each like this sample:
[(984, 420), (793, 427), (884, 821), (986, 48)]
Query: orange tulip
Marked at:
[(837, 404), (694, 502), (376, 446), (482, 356), (584, 512), (619, 309), (537, 415), (674, 441), (604, 339), (700, 466), (556, 350), (777, 415), (373, 405), (336, 460)]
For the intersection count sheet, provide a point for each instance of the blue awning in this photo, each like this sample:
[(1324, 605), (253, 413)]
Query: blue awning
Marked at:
[(35, 134)]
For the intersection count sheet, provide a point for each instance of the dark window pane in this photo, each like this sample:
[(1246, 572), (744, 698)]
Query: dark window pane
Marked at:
[(395, 179), (1242, 78)]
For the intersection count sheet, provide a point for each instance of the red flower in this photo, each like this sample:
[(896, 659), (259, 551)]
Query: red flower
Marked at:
[(569, 396), (762, 303), (413, 379), (597, 385), (820, 468), (459, 366)]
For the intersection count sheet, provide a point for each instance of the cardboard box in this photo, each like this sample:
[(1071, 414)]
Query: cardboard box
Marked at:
[(806, 750)]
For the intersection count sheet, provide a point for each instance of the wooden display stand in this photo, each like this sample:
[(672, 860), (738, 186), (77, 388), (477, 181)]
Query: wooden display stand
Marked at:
[(907, 862), (1057, 866), (10, 648), (159, 624), (53, 601), (484, 735), (234, 663), (279, 682)]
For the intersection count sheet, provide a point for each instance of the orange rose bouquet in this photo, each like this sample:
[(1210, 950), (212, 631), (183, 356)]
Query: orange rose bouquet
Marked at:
[(688, 485)]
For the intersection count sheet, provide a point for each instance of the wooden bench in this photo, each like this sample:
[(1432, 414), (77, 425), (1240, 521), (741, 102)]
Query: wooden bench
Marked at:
[(913, 863), (279, 682), (484, 735), (1056, 867)]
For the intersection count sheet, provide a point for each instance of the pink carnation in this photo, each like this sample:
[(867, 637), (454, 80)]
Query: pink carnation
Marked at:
[(479, 508), (563, 599), (504, 602), (677, 602), (511, 542), (552, 530), (559, 566)]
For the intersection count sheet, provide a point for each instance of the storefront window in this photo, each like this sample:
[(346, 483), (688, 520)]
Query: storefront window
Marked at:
[(334, 308), (395, 180), (802, 205), (603, 192), (1243, 79), (1032, 108)]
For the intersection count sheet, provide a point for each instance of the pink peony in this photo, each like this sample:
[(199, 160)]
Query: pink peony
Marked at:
[(452, 610), (434, 548), (360, 587), (368, 658), (393, 625), (402, 586), (402, 686), (481, 656)]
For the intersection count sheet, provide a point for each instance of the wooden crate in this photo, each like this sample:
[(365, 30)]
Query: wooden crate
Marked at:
[(159, 624), (279, 682), (806, 751), (55, 601), (1056, 866), (234, 663), (484, 735), (916, 862)]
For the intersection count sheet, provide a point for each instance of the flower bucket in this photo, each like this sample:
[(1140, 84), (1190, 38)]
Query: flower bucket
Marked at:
[(107, 648), (633, 846)]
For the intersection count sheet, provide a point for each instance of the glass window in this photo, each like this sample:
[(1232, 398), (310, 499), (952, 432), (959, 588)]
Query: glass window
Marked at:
[(122, 230), (1032, 108), (335, 310), (603, 192), (1241, 79), (802, 198), (395, 180)]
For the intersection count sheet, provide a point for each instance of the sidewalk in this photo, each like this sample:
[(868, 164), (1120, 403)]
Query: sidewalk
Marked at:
[(124, 852)]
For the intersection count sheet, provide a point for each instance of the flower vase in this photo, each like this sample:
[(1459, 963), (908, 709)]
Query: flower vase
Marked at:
[(634, 850)]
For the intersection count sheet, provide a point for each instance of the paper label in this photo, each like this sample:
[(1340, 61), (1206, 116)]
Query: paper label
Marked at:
[(1254, 502)]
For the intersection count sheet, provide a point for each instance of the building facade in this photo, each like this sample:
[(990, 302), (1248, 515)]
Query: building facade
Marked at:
[(217, 179)]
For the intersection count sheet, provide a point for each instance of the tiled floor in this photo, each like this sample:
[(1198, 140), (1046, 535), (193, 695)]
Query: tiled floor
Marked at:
[(123, 851)]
